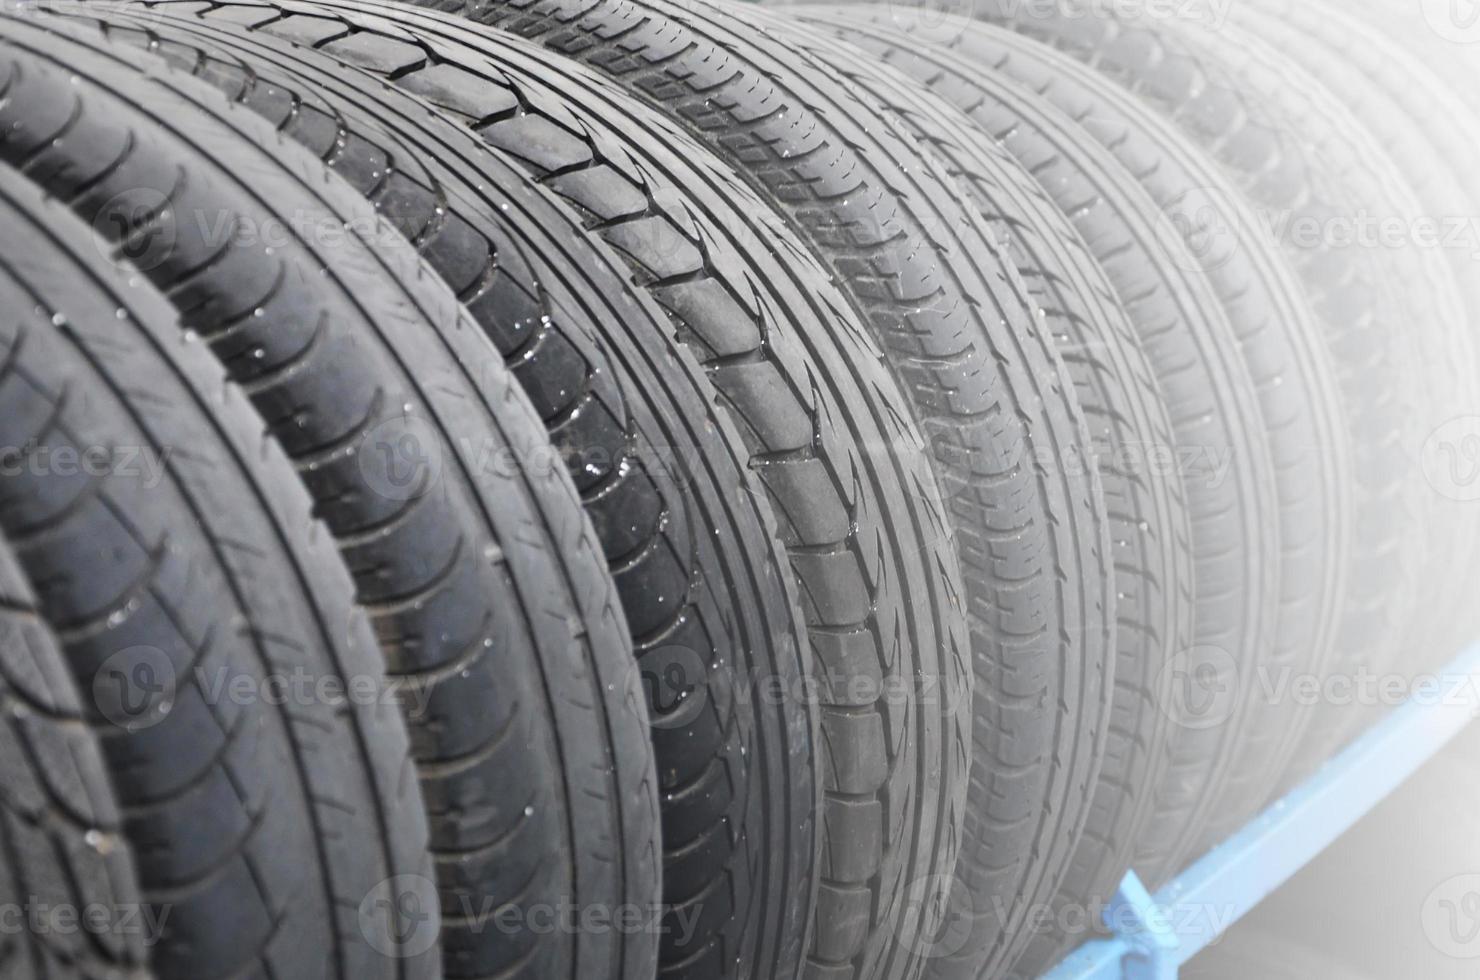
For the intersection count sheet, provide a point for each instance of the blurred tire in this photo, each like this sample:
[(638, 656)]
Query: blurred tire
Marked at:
[(1430, 135), (1033, 833)]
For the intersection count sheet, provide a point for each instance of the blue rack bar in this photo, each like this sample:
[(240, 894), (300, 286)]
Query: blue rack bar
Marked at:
[(1153, 935)]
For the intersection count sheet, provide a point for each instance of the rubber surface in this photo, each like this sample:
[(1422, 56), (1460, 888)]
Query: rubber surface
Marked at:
[(1299, 154), (481, 576), (61, 844), (1442, 36), (849, 481), (983, 376), (702, 577), (250, 737), (1221, 448), (1252, 620), (1034, 850), (1249, 113), (1429, 134)]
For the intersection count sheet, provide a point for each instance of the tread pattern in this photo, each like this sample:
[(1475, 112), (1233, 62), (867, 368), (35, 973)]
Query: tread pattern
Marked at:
[(539, 301), (984, 378), (263, 828), (1039, 836), (1245, 612), (1426, 130), (896, 769), (1195, 355), (1297, 152), (1408, 24), (485, 587), (826, 430), (61, 838)]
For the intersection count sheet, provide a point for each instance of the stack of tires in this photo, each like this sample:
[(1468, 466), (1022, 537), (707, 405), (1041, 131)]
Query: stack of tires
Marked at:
[(616, 489)]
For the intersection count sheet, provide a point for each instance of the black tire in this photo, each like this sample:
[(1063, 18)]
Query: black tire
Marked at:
[(826, 430), (1051, 843), (922, 272), (1296, 151), (1196, 358), (272, 814), (62, 849), (697, 561), (482, 579), (1430, 136)]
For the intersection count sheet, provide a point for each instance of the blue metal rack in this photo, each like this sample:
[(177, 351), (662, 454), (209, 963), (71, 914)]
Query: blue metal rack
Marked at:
[(1152, 936)]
